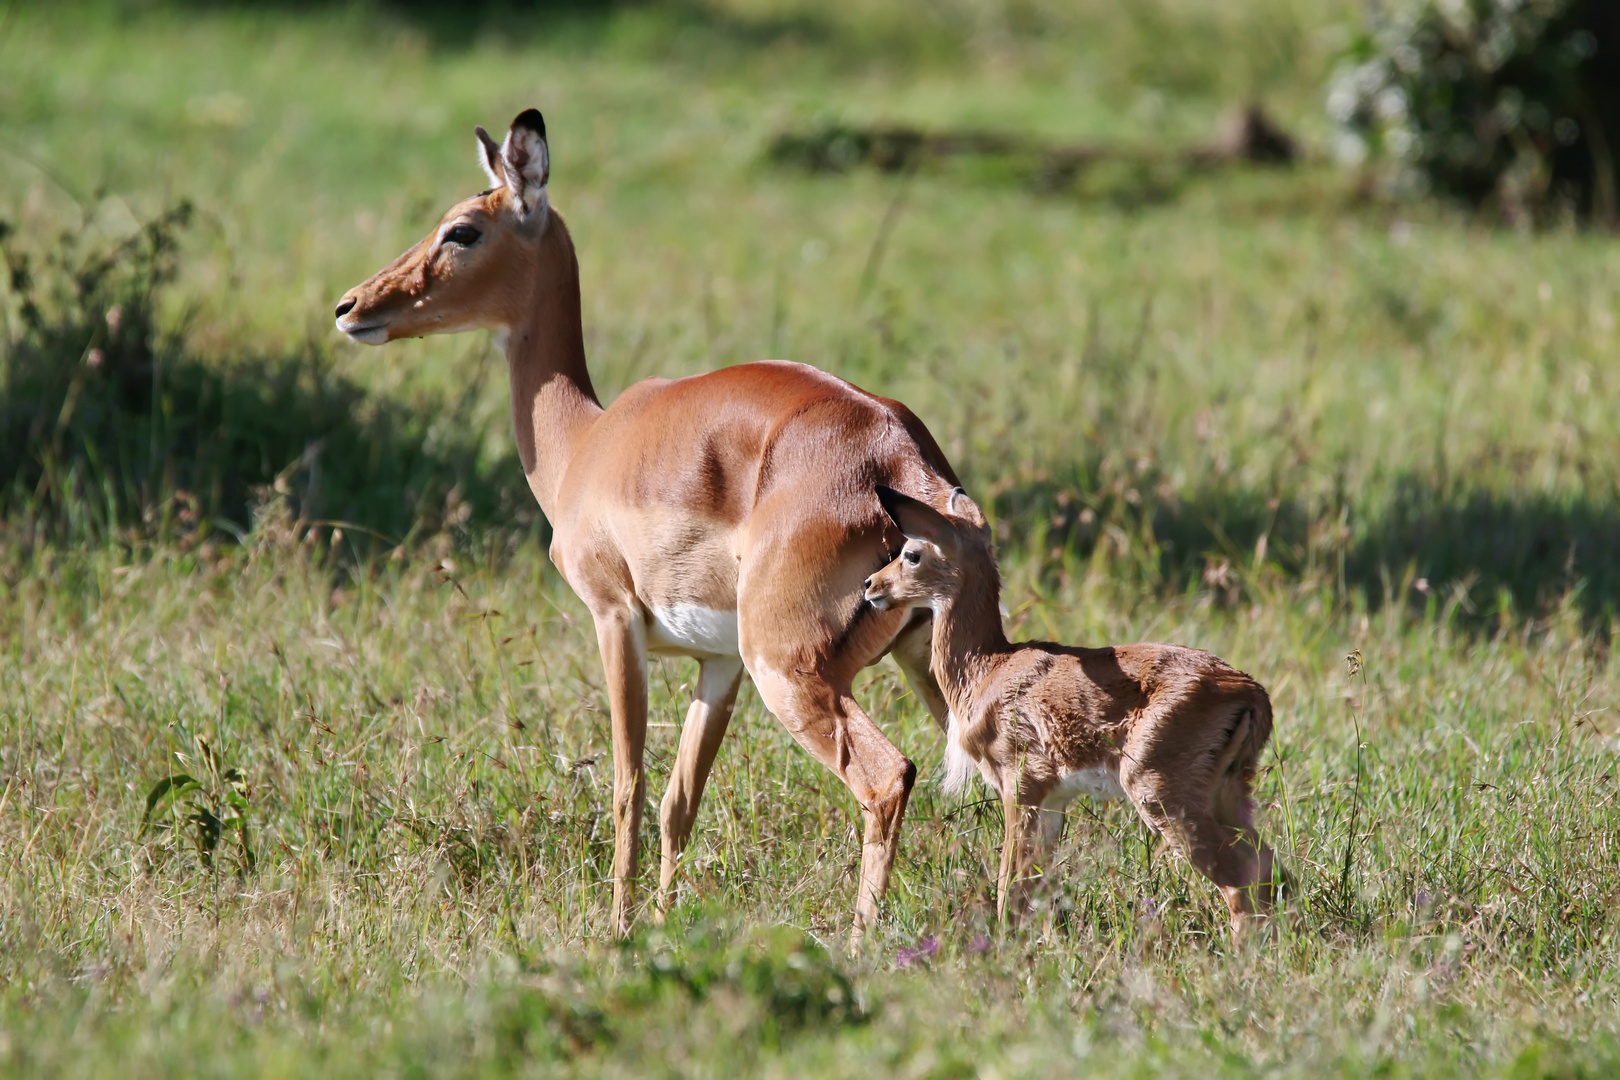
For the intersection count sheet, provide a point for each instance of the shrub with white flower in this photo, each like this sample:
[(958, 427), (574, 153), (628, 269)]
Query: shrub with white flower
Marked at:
[(1507, 105)]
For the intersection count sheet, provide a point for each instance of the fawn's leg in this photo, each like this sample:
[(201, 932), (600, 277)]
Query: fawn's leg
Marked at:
[(1031, 833), (1234, 811), (1227, 852)]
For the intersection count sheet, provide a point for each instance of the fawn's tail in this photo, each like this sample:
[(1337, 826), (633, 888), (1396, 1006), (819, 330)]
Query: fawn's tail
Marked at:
[(1234, 772), (960, 767), (1250, 730)]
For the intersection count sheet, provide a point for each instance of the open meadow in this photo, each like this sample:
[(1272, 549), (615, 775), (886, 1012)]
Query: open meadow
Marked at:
[(1262, 411)]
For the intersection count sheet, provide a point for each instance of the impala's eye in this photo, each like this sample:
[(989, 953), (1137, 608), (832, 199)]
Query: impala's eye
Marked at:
[(912, 556), (465, 235)]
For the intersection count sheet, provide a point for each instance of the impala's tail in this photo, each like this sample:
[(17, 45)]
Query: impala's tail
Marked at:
[(1246, 739), (1235, 770), (959, 765)]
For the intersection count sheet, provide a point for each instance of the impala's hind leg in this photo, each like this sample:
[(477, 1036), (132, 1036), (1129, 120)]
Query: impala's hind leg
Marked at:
[(1214, 834), (805, 632), (826, 721), (803, 650), (705, 727), (1233, 809)]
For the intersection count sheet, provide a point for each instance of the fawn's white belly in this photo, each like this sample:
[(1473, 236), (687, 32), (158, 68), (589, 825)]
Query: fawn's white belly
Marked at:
[(692, 630), (1099, 782)]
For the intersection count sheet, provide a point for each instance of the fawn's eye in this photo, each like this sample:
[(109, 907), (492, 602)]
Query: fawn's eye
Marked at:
[(913, 556), (465, 235)]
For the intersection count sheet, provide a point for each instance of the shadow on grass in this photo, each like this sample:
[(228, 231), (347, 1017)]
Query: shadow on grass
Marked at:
[(109, 425), (1487, 556)]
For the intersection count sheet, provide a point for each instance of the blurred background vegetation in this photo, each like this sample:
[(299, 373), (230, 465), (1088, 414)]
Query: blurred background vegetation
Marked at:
[(1510, 106), (1371, 368), (1142, 346)]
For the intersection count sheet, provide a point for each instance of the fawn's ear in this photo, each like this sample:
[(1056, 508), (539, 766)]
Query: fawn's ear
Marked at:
[(966, 510), (917, 520), (522, 164)]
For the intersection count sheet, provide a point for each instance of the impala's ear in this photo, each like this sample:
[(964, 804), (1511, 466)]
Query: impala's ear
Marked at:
[(489, 158), (526, 164), (917, 520), (967, 510)]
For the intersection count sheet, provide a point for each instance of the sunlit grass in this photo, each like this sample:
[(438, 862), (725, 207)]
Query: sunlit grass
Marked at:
[(428, 762)]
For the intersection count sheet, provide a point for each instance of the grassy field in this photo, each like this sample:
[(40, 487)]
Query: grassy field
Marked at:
[(1260, 412)]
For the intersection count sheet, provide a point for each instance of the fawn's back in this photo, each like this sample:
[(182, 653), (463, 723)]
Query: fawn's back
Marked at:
[(1064, 717)]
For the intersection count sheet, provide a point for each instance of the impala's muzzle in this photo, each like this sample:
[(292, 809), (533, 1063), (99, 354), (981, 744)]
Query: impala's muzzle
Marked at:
[(367, 331), (875, 595)]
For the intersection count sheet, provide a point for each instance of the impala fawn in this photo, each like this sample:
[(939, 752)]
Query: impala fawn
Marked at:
[(1176, 731)]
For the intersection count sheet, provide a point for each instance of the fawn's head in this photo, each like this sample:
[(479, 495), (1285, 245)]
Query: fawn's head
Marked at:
[(941, 556), (470, 271)]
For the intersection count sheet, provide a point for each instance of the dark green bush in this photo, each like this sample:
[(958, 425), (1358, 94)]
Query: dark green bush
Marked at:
[(109, 424), (1512, 106)]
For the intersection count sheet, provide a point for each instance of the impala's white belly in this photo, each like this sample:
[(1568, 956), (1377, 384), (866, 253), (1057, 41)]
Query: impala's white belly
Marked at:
[(692, 630), (1099, 782)]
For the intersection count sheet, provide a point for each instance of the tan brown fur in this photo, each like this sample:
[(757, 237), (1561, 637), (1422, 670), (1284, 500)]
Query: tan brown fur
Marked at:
[(739, 501), (1178, 729)]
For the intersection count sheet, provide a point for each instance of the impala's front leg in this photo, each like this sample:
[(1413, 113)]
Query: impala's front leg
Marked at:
[(705, 727), (621, 634), (1031, 832)]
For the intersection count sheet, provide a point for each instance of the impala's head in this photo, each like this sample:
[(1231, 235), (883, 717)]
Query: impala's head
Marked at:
[(941, 556), (467, 273)]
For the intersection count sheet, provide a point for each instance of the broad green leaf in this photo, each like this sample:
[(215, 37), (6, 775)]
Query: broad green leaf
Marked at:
[(175, 785)]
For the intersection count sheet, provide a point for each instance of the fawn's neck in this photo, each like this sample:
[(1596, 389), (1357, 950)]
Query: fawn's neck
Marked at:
[(968, 645)]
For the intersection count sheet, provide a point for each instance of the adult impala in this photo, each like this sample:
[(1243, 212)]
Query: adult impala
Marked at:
[(728, 517)]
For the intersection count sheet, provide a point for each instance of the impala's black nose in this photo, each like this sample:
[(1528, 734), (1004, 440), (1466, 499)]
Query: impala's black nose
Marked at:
[(344, 308), (867, 584)]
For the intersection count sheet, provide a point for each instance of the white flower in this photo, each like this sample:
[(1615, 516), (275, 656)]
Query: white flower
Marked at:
[(1342, 100), (1349, 149)]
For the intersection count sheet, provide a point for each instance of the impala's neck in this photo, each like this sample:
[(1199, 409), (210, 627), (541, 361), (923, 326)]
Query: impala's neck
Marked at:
[(968, 642), (553, 402)]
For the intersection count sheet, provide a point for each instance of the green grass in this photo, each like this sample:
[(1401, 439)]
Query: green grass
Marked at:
[(1263, 416)]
